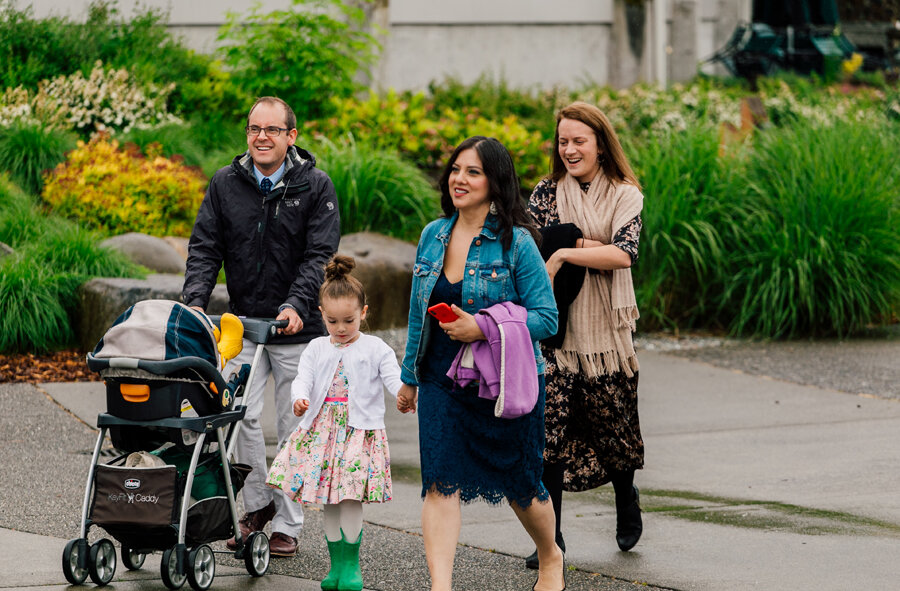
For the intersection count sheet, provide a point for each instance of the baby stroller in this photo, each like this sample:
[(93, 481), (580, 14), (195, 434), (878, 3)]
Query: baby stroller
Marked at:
[(174, 418)]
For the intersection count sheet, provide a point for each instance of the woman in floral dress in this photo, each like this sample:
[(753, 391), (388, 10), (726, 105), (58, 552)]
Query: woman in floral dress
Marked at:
[(589, 208)]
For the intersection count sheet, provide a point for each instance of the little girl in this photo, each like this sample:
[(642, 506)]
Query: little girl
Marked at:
[(338, 456)]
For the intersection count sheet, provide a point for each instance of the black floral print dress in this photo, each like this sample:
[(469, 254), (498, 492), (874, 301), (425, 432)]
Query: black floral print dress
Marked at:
[(592, 424)]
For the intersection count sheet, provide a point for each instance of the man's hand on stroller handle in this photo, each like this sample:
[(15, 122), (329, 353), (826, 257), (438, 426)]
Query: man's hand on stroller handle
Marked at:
[(295, 324), (300, 407)]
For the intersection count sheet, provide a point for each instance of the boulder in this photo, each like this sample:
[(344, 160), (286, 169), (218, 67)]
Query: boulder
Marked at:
[(179, 244), (384, 266), (102, 300), (154, 253)]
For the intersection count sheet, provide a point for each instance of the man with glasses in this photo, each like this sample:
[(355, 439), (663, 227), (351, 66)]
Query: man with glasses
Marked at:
[(272, 218)]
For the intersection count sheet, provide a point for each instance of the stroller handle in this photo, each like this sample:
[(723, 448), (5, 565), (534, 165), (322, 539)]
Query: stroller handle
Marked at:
[(257, 330), (204, 368)]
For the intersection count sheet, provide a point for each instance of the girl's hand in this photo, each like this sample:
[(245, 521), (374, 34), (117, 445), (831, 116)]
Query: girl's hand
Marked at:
[(300, 407), (407, 397), (464, 328)]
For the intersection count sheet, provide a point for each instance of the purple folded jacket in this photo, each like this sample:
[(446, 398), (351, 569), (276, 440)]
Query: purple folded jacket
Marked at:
[(503, 364)]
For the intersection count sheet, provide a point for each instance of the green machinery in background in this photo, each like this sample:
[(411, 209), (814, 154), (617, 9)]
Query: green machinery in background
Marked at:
[(798, 35)]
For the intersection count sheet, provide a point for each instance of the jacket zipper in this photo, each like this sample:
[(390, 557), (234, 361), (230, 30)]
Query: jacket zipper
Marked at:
[(260, 231), (283, 197)]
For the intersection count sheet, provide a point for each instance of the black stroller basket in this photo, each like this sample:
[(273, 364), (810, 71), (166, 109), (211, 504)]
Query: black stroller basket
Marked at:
[(141, 506), (153, 508)]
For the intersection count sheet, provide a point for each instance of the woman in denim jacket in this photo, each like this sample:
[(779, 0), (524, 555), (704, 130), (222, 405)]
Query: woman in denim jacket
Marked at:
[(480, 253)]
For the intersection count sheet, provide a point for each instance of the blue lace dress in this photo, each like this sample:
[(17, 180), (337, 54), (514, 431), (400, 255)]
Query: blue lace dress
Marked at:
[(463, 447)]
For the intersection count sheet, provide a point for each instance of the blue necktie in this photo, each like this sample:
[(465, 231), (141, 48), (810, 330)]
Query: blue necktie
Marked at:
[(266, 186)]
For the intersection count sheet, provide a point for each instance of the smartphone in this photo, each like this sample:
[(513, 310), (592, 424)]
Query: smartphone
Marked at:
[(443, 312)]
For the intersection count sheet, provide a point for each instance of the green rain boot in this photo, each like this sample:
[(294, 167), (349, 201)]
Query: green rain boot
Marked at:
[(351, 574), (336, 553)]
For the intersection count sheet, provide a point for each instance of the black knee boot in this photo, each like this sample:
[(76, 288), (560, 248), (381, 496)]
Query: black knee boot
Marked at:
[(629, 525), (552, 479)]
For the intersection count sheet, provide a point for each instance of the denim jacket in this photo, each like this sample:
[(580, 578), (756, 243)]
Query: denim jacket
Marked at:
[(492, 275)]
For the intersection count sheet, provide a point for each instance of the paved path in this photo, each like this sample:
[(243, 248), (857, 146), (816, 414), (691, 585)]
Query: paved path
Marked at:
[(751, 482)]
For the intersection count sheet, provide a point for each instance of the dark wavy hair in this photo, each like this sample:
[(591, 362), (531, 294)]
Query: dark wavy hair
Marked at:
[(503, 187)]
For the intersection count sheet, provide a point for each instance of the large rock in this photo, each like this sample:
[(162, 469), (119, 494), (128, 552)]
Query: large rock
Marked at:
[(154, 253), (102, 300), (384, 266), (179, 244)]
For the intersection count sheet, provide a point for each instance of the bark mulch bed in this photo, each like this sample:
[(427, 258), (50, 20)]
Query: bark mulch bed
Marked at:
[(61, 366)]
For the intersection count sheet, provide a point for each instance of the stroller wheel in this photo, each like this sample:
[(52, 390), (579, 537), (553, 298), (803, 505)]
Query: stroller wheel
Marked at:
[(201, 568), (73, 550), (102, 563), (168, 570), (256, 554), (132, 560)]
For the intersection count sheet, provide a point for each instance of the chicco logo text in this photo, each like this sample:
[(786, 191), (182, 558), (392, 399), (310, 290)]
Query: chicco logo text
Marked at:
[(132, 483)]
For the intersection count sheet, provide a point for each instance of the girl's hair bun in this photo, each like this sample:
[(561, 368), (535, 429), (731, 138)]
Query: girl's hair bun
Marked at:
[(339, 267)]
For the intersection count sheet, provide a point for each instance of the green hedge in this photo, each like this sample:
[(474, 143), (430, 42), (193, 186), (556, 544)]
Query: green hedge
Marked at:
[(28, 151), (816, 246), (796, 234), (792, 233), (378, 190), (38, 283)]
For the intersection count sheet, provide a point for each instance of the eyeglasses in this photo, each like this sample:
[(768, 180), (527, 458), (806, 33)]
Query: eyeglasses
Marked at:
[(271, 130)]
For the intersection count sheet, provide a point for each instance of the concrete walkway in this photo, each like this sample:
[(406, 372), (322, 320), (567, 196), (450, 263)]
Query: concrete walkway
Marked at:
[(750, 483)]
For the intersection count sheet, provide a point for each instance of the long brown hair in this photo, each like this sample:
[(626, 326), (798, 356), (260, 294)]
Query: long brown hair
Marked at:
[(614, 163)]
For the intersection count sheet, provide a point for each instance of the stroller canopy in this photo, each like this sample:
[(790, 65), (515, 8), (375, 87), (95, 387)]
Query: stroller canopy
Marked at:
[(159, 330)]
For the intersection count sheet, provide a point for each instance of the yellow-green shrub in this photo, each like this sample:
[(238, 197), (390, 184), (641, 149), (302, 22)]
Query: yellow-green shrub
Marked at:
[(427, 134), (121, 190)]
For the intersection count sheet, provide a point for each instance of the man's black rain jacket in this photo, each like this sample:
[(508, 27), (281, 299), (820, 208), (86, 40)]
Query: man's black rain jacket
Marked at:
[(274, 247)]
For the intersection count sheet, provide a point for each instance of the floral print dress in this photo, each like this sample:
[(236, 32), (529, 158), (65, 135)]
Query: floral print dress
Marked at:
[(331, 461)]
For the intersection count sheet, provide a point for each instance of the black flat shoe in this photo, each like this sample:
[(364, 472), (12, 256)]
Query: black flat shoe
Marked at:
[(629, 525), (531, 561)]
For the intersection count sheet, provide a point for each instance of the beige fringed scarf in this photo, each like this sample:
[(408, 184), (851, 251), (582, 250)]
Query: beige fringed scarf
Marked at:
[(602, 317)]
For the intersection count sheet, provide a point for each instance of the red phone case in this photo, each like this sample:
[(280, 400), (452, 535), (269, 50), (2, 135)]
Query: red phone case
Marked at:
[(443, 312)]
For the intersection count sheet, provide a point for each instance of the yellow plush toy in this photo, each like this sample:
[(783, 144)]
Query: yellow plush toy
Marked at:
[(230, 339)]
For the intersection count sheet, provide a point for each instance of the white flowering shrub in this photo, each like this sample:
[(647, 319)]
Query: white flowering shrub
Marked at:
[(787, 104), (894, 110), (107, 100), (15, 106), (647, 110)]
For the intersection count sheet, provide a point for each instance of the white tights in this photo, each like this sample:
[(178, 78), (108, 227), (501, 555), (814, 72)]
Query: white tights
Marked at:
[(347, 516)]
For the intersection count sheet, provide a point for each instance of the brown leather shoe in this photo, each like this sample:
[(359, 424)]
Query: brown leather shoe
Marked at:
[(252, 522), (282, 544)]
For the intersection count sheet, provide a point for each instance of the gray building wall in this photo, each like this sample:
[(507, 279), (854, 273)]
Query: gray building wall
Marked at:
[(528, 43)]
